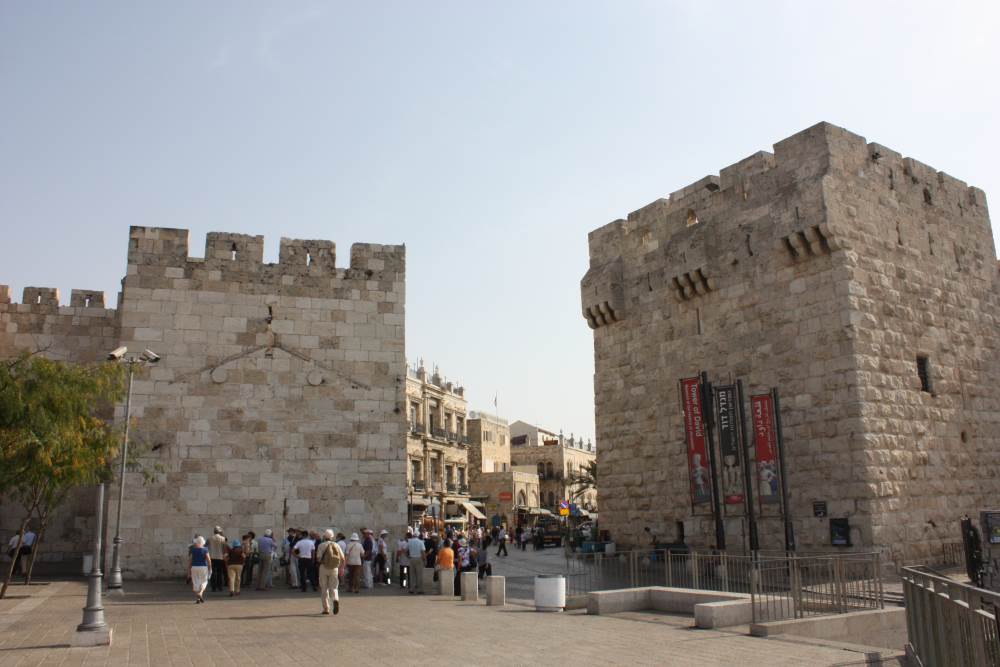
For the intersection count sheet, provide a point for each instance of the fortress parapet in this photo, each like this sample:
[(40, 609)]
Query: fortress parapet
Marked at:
[(158, 257), (781, 206)]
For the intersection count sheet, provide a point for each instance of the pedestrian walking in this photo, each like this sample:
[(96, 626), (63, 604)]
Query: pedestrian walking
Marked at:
[(415, 552), (199, 568), (217, 552), (303, 551), (355, 557), (266, 548), (330, 559), (251, 556), (235, 558), (368, 543), (502, 541), (483, 561), (403, 560), (382, 558), (292, 562)]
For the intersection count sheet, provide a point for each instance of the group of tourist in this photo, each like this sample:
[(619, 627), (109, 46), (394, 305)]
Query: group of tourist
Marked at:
[(309, 560), (323, 561)]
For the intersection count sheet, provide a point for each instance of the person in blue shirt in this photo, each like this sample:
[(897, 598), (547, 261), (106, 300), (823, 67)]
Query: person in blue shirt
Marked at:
[(200, 566)]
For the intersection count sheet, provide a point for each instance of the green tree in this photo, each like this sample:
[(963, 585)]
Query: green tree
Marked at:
[(584, 480), (55, 434)]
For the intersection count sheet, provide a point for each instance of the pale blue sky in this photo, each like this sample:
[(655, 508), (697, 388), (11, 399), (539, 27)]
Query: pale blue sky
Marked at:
[(489, 138)]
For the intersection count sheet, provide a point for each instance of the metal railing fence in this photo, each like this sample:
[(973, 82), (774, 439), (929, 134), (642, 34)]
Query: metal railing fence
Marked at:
[(780, 586), (949, 623)]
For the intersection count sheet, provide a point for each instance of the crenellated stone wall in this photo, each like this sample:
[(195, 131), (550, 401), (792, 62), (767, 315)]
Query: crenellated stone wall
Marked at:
[(279, 397), (825, 269)]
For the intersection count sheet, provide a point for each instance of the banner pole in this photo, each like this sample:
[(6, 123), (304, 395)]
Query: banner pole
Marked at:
[(709, 417), (748, 478), (786, 509)]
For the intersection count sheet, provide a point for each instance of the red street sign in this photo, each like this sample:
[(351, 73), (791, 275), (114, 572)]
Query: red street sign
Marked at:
[(506, 496)]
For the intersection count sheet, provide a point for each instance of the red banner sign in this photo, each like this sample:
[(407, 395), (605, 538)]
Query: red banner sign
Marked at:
[(697, 445), (506, 496), (766, 442)]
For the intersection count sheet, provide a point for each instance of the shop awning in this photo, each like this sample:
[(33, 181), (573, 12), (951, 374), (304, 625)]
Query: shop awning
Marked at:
[(455, 519), (420, 501), (473, 511)]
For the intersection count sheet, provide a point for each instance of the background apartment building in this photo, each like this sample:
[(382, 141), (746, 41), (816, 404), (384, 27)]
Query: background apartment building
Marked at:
[(437, 444), (555, 459), (509, 495)]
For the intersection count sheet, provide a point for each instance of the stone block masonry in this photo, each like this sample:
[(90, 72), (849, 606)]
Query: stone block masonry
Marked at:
[(278, 401), (861, 283)]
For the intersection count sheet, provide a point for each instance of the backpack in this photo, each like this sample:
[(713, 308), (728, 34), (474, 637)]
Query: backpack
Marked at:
[(331, 556)]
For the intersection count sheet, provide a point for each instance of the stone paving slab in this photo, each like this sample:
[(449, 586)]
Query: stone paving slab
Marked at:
[(158, 624)]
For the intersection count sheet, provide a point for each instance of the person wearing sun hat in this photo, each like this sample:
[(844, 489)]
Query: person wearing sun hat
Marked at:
[(235, 557), (355, 557)]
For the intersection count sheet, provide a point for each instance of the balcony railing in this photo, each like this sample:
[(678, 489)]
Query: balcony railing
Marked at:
[(418, 487), (452, 487), (463, 488), (465, 440), (452, 436), (417, 429), (439, 433)]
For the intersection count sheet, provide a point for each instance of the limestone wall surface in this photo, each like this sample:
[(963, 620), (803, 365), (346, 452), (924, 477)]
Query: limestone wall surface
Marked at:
[(279, 397), (788, 270)]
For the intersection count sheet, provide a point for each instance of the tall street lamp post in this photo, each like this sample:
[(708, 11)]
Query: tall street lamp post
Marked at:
[(119, 355), (94, 631)]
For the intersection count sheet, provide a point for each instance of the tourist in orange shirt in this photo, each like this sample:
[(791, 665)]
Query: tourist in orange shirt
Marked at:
[(445, 561)]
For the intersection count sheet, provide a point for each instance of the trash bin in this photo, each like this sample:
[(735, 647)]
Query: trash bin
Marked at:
[(88, 563), (550, 592)]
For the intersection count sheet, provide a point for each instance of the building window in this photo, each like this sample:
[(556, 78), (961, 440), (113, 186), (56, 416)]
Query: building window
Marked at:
[(541, 470), (548, 470), (552, 499), (924, 372)]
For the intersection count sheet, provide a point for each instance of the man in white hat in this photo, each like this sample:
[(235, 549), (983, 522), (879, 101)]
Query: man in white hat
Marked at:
[(355, 554), (330, 558)]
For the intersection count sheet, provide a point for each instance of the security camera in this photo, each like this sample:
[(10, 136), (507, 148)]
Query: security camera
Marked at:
[(117, 353), (150, 357)]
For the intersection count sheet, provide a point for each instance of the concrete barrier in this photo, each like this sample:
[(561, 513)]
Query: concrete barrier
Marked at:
[(446, 582), (496, 591), (427, 580), (711, 609), (470, 586), (876, 627)]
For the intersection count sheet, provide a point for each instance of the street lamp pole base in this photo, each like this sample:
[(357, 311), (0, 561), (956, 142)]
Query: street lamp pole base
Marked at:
[(86, 638)]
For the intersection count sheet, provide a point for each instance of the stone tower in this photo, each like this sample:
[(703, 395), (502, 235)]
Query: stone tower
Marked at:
[(278, 401), (862, 284)]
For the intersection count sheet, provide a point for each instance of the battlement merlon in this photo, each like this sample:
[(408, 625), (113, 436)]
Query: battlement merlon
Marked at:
[(801, 157), (48, 298), (162, 246)]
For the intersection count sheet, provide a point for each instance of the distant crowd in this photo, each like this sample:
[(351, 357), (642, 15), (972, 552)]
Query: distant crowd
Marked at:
[(325, 561)]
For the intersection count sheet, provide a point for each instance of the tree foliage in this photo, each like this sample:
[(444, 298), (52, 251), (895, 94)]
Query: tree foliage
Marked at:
[(584, 480), (55, 430)]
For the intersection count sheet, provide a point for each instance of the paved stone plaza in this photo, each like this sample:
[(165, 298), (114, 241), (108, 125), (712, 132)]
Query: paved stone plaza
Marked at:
[(157, 623)]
